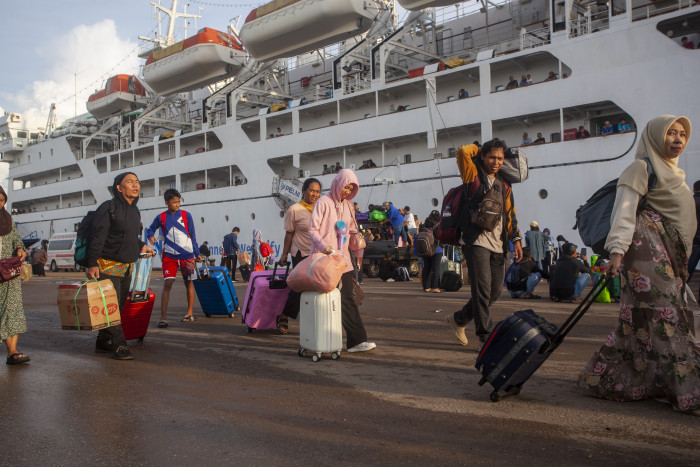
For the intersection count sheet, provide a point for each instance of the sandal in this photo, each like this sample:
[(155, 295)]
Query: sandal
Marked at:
[(531, 296), (15, 359), (188, 318), (162, 323), (282, 324)]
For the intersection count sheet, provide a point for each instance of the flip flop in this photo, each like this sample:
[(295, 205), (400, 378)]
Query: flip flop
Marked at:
[(162, 323), (282, 325), (15, 359)]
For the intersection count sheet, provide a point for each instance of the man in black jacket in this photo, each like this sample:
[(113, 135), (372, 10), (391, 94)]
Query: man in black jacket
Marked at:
[(570, 276), (114, 247)]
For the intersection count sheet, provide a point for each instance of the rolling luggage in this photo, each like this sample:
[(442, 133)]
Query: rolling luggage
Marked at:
[(136, 314), (245, 271), (521, 343), (215, 291), (265, 299), (450, 281), (320, 324)]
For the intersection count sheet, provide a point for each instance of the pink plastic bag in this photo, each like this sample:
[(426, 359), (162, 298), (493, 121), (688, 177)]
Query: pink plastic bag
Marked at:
[(317, 273)]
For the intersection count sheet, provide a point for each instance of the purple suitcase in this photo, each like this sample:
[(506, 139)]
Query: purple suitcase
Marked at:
[(265, 299)]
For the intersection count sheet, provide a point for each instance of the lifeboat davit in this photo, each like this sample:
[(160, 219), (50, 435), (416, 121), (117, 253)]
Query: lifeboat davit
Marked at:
[(284, 28), (205, 58), (121, 94), (414, 5)]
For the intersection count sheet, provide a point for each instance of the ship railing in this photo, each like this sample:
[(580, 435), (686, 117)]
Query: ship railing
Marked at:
[(649, 10), (589, 22)]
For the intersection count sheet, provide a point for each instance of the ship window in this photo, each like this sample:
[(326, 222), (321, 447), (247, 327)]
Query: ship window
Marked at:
[(543, 194), (202, 219), (252, 215), (21, 134), (281, 213), (434, 202), (226, 217)]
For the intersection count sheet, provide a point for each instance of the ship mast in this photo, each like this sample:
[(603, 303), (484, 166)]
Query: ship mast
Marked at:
[(160, 42)]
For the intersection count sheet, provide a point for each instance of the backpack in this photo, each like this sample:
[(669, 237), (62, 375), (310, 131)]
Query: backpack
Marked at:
[(453, 208), (490, 210), (85, 234), (265, 249), (425, 243), (184, 221), (593, 218), (514, 281)]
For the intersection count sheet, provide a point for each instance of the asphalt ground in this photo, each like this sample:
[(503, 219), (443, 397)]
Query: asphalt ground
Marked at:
[(209, 393)]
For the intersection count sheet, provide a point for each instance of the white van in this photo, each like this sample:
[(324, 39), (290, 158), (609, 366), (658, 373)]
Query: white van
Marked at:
[(60, 252)]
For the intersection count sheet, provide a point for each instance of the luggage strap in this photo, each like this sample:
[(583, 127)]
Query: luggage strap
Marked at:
[(514, 351), (576, 315)]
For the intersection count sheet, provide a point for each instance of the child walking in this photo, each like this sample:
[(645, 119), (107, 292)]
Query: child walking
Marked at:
[(180, 251)]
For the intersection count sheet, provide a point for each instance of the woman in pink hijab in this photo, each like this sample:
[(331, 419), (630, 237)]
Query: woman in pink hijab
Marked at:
[(330, 208)]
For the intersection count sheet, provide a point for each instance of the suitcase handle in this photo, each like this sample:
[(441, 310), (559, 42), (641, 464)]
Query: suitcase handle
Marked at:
[(278, 283), (576, 315)]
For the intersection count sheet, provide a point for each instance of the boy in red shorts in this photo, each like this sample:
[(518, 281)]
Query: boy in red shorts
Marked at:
[(180, 251)]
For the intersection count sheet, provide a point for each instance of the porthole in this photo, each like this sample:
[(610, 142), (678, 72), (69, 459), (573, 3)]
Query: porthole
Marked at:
[(202, 219), (252, 215), (434, 202), (226, 218), (543, 194), (281, 213)]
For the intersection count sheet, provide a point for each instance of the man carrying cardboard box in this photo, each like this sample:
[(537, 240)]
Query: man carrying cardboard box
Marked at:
[(113, 249)]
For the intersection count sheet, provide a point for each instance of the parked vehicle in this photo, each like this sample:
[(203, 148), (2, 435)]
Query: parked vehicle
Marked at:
[(59, 255), (377, 249)]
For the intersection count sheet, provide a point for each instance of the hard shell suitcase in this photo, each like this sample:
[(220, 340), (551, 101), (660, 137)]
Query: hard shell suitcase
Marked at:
[(136, 314), (320, 324), (215, 291), (265, 299), (521, 343)]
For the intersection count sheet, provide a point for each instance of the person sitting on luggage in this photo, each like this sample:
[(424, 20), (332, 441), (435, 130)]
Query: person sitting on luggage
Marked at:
[(570, 276), (529, 276), (329, 209), (298, 243), (387, 269), (180, 251)]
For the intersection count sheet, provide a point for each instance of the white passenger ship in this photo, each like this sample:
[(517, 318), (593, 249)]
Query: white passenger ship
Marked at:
[(238, 134)]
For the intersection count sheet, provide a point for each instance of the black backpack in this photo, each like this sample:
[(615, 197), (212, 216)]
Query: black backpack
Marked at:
[(593, 218), (514, 281), (85, 234), (425, 243)]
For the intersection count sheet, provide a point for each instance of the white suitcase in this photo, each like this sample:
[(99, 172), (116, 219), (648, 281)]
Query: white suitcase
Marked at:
[(320, 324)]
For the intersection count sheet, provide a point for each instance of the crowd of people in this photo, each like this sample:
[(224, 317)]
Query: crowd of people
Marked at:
[(653, 245)]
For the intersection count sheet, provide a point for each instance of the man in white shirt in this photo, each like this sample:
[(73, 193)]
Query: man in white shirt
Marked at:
[(410, 223)]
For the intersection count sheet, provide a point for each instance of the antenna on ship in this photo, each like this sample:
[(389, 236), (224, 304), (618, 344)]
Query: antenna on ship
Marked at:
[(158, 41)]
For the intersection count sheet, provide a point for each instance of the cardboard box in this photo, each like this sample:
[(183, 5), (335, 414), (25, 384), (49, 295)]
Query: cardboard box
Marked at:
[(26, 272), (90, 315)]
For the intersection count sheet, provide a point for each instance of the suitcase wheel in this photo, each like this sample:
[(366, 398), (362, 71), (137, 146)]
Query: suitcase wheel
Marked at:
[(302, 352), (230, 315), (208, 315), (251, 330), (141, 338), (315, 357), (495, 396), (335, 355)]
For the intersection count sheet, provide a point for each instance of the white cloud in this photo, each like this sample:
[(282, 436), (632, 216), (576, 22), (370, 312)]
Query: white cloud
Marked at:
[(96, 52)]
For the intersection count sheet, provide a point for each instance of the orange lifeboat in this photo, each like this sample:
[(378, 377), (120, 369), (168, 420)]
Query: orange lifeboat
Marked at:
[(284, 28), (121, 94), (205, 58), (414, 5)]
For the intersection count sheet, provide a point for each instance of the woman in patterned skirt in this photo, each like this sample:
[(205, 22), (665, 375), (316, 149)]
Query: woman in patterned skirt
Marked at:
[(652, 352), (12, 320)]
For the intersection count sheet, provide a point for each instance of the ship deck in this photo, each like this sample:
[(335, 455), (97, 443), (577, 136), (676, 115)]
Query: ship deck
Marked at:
[(210, 393)]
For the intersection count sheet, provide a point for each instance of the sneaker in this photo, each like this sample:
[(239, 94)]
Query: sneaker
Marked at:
[(390, 280), (104, 347), (123, 353), (363, 347), (458, 330)]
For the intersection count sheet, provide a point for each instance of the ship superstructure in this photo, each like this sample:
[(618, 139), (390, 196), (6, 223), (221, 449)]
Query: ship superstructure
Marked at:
[(404, 96)]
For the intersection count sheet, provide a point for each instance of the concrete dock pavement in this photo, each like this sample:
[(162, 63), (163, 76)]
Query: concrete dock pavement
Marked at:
[(209, 393)]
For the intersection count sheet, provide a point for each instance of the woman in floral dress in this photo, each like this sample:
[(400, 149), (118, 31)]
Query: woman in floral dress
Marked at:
[(652, 352), (12, 320)]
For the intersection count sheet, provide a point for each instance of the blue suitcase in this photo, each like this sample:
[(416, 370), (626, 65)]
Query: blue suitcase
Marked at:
[(215, 291), (520, 344)]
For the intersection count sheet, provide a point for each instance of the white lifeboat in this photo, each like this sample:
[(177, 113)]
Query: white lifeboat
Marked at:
[(122, 93), (205, 58), (284, 28), (414, 5)]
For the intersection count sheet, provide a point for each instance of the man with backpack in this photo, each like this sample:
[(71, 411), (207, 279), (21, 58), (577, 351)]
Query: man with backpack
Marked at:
[(180, 251), (523, 276), (487, 222), (113, 247)]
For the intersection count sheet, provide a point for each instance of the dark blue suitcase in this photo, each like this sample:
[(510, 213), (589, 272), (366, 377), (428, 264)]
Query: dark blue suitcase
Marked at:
[(520, 344), (215, 291)]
